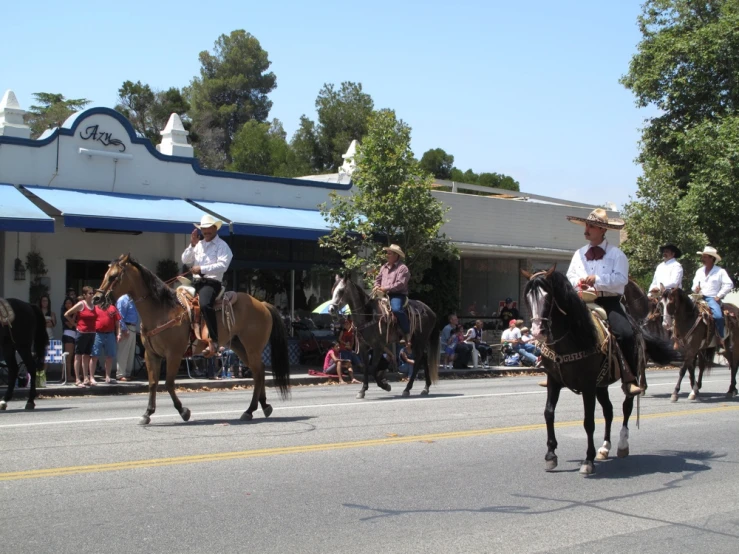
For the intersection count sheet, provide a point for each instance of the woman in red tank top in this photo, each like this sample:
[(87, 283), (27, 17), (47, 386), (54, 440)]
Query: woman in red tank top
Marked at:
[(86, 318)]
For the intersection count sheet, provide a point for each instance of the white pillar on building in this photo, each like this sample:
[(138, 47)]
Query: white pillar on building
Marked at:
[(174, 139), (11, 117), (348, 167)]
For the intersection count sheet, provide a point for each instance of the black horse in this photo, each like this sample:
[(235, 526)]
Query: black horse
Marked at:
[(27, 336), (373, 334), (563, 324)]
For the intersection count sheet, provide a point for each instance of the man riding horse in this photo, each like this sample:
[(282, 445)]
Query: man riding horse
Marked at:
[(211, 257), (714, 284), (669, 274), (393, 280), (603, 268)]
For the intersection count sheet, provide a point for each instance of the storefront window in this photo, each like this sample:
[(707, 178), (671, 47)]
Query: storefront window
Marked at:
[(485, 283)]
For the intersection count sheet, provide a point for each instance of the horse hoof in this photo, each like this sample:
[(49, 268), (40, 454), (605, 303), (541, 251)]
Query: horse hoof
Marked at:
[(385, 386), (600, 456), (587, 468), (643, 392), (360, 395), (551, 465), (3, 405), (691, 397), (424, 392), (673, 398), (246, 416), (730, 394), (30, 405), (622, 453), (406, 394), (145, 420), (185, 414), (267, 410)]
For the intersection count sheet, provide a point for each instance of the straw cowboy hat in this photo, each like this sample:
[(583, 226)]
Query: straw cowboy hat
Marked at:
[(598, 218), (710, 251), (209, 221), (670, 246), (395, 248)]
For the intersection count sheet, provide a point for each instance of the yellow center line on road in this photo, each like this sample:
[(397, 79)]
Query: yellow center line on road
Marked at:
[(303, 449)]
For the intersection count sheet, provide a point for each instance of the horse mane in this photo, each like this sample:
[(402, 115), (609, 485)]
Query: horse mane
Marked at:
[(691, 307), (579, 320), (158, 291)]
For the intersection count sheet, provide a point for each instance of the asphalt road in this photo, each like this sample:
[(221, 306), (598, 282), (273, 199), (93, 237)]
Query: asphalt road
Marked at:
[(459, 471)]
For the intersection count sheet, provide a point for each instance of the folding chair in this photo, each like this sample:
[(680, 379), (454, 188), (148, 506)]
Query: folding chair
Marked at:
[(55, 355)]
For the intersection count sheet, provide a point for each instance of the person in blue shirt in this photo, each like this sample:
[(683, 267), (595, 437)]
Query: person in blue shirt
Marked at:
[(126, 337)]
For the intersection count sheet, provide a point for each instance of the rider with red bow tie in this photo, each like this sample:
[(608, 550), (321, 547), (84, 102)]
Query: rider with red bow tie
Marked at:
[(602, 268)]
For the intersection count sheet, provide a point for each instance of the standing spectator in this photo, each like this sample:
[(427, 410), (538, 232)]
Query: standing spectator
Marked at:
[(45, 304), (127, 337), (107, 330), (69, 336), (512, 336), (508, 312), (85, 321), (462, 349), (407, 363), (71, 293), (348, 343)]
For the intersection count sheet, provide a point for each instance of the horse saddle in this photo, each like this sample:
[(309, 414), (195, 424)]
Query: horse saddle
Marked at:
[(7, 315), (190, 301), (706, 315), (609, 345)]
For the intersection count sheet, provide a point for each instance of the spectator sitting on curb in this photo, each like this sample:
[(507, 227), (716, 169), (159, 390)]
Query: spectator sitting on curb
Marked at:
[(406, 359), (512, 336), (333, 364)]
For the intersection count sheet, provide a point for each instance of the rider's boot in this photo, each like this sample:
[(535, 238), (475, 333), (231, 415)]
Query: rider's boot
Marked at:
[(628, 382)]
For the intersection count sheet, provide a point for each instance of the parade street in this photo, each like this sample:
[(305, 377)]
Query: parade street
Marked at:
[(459, 471)]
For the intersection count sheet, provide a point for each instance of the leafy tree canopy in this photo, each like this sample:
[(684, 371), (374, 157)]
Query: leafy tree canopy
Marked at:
[(149, 110), (438, 163), (232, 89), (54, 109), (392, 203)]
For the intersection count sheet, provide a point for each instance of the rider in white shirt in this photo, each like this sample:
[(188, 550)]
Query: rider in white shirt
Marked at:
[(713, 283), (211, 257), (602, 268), (669, 273)]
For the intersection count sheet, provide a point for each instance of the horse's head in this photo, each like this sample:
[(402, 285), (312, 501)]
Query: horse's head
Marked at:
[(539, 294), (338, 293), (672, 301), (115, 283)]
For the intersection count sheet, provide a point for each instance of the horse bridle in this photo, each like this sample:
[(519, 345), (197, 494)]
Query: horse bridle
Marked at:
[(549, 314), (116, 281)]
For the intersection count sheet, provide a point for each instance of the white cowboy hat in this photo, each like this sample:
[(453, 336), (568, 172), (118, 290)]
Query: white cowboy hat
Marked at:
[(710, 251), (395, 248), (208, 221), (598, 218)]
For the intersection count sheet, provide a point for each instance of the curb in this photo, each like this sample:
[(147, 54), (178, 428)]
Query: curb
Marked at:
[(140, 387)]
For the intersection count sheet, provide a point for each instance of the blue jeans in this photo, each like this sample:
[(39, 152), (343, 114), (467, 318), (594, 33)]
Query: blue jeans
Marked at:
[(352, 356), (526, 355), (531, 347), (406, 369), (718, 315), (396, 304)]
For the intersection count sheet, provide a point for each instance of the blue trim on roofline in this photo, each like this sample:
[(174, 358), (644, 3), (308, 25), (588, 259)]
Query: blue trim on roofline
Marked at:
[(277, 232), (125, 224), (27, 225), (194, 162)]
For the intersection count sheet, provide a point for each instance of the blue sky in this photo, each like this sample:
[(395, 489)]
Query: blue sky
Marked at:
[(529, 89)]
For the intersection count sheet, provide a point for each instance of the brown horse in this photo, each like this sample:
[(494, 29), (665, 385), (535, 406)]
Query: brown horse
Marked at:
[(696, 336), (165, 330)]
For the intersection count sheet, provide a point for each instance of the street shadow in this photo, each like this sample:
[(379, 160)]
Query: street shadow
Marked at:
[(703, 397), (414, 394), (666, 462), (36, 409), (258, 420), (380, 513)]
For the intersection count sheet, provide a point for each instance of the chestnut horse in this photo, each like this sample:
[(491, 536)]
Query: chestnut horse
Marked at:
[(165, 330)]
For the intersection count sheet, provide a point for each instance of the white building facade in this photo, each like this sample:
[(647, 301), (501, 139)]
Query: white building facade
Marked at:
[(82, 194)]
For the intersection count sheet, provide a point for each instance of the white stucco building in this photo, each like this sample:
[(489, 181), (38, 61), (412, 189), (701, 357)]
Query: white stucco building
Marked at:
[(83, 194)]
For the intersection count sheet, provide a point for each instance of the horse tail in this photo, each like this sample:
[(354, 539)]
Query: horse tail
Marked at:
[(434, 354), (41, 337), (659, 350), (280, 354)]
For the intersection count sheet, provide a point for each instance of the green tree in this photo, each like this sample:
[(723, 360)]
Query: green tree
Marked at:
[(53, 110), (306, 147), (232, 89), (149, 110), (438, 163), (686, 66), (261, 148), (498, 181), (392, 203)]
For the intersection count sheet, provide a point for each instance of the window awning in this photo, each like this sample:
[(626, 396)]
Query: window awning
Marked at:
[(120, 212), (18, 213), (269, 221)]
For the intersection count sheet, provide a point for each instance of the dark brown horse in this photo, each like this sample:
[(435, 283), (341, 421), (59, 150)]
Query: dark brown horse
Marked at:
[(27, 336), (165, 330), (696, 336), (563, 325)]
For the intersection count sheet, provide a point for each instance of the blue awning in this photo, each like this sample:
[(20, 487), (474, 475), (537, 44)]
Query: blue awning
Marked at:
[(121, 212), (18, 213), (269, 221)]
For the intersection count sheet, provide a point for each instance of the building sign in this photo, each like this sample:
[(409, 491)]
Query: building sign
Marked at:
[(106, 139)]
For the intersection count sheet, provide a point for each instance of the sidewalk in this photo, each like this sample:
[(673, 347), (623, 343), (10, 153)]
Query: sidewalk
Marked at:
[(298, 376)]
